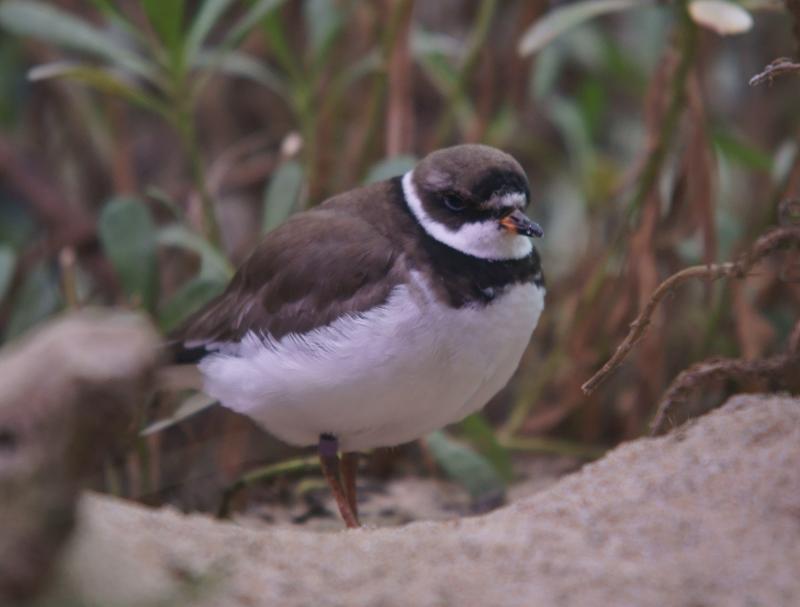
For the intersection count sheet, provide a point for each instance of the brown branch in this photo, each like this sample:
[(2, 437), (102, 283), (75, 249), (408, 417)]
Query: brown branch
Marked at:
[(764, 246), (780, 67), (769, 370), (399, 113)]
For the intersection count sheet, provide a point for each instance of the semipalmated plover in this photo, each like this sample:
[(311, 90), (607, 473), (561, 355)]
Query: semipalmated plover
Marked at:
[(380, 315)]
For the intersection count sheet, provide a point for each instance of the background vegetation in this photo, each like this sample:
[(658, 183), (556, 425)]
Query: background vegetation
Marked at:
[(146, 145)]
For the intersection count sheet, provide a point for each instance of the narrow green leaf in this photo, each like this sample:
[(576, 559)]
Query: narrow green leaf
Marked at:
[(742, 152), (117, 19), (187, 300), (102, 79), (281, 194), (466, 467), (369, 63), (104, 6), (38, 297), (238, 64), (275, 34), (558, 21), (502, 127), (424, 42), (206, 18), (191, 406), (166, 16), (250, 19), (55, 26), (440, 71), (8, 262), (128, 236), (482, 437), (390, 167), (324, 19), (567, 118), (213, 263)]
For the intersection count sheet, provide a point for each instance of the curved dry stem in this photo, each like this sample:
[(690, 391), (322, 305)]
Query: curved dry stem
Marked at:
[(764, 246), (768, 370)]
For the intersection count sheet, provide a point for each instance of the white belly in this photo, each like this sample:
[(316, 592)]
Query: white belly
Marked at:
[(381, 378)]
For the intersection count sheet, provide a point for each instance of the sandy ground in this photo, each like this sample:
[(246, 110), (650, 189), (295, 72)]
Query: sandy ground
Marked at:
[(708, 515)]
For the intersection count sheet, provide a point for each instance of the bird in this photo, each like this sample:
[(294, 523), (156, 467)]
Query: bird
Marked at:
[(382, 314)]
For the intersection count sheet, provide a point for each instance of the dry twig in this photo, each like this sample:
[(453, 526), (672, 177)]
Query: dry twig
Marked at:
[(772, 370), (780, 67), (764, 246)]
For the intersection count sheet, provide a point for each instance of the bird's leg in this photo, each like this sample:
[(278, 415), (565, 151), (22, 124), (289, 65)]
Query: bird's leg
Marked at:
[(349, 469), (329, 459)]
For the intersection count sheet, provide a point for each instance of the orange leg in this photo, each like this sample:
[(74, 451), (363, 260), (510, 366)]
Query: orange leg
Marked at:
[(349, 469), (329, 459)]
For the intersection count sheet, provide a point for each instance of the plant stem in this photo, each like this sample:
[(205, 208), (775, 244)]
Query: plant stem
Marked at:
[(483, 20), (553, 447), (300, 464), (380, 83), (184, 123)]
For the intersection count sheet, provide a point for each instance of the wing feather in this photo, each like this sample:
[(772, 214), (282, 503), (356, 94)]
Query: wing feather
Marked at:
[(313, 269)]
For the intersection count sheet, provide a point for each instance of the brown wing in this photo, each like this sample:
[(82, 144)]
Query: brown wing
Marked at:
[(313, 269)]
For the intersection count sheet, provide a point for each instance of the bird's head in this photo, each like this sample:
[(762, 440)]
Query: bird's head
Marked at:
[(473, 198)]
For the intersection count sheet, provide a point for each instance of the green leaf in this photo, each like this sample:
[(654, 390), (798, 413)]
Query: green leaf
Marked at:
[(390, 167), (369, 63), (592, 102), (424, 42), (191, 406), (206, 17), (558, 21), (17, 226), (245, 66), (440, 71), (166, 16), (55, 26), (466, 467), (8, 262), (567, 118), (118, 19), (259, 10), (502, 127), (275, 35), (482, 437), (213, 263), (742, 152), (324, 19), (128, 236), (282, 194), (187, 300), (101, 79), (38, 297)]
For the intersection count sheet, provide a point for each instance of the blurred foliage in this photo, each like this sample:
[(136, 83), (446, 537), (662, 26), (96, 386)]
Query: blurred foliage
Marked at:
[(647, 151)]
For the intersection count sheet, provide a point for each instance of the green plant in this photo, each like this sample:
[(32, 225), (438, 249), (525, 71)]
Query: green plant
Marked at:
[(163, 70)]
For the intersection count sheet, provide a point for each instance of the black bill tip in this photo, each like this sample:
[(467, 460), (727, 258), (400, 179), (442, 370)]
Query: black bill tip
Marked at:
[(519, 223)]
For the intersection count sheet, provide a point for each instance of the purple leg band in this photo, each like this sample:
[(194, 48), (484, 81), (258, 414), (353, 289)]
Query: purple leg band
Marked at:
[(328, 445)]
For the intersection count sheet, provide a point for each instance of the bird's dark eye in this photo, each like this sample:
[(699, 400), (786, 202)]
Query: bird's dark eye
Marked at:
[(453, 202)]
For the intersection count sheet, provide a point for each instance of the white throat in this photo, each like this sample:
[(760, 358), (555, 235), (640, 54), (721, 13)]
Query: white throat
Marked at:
[(482, 239)]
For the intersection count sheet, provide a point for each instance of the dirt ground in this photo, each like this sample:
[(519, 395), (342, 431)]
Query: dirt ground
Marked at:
[(707, 515), (309, 504)]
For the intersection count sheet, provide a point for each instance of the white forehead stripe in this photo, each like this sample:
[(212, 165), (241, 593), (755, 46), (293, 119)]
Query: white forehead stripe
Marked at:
[(484, 239), (515, 199)]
